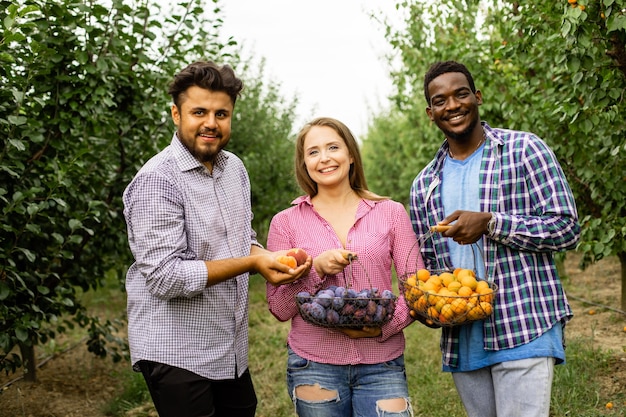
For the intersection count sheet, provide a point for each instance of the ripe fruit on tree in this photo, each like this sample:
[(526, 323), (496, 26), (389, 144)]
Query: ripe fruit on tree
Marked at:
[(299, 254)]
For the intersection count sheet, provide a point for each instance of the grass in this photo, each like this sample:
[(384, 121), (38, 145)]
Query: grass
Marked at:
[(577, 389)]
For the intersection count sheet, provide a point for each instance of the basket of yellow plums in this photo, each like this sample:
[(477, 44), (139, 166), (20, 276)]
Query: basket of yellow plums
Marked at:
[(448, 297)]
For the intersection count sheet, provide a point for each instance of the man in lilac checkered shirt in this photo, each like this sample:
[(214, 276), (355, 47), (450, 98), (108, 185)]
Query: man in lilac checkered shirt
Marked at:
[(505, 192), (189, 215)]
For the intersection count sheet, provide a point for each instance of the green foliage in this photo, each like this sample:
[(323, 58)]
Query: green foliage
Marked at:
[(268, 355), (393, 154), (135, 397), (83, 104), (577, 87), (401, 142), (556, 69), (262, 137)]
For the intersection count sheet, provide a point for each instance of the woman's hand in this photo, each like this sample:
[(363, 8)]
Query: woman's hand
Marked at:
[(332, 261), (362, 332)]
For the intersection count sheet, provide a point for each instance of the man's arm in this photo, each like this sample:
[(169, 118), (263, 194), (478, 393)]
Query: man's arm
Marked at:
[(259, 261)]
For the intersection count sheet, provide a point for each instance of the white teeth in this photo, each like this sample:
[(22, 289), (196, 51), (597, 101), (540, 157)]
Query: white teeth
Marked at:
[(327, 170)]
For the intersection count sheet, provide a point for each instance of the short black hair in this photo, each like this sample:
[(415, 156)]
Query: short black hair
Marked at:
[(208, 75), (444, 67)]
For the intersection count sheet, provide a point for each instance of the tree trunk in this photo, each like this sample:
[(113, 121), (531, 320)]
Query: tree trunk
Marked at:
[(29, 362), (622, 260)]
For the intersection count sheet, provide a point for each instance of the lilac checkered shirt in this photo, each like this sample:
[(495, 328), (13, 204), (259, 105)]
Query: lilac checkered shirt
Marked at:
[(178, 214)]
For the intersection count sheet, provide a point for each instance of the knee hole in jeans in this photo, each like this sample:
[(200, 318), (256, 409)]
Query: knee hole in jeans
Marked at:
[(393, 405), (314, 393)]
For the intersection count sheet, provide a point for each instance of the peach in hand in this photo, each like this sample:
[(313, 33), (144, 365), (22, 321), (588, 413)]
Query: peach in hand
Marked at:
[(290, 261), (299, 254)]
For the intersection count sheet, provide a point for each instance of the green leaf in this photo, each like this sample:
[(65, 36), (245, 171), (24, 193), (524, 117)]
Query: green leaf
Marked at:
[(616, 22), (8, 22), (18, 144), (67, 302), (75, 224), (30, 255), (577, 77), (598, 248), (43, 290), (17, 120), (21, 334), (5, 291), (32, 208)]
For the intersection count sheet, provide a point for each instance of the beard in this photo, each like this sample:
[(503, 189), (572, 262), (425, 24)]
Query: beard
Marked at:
[(203, 152), (464, 135)]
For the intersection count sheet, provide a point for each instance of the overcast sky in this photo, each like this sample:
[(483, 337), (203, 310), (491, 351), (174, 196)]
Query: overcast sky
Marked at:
[(328, 52)]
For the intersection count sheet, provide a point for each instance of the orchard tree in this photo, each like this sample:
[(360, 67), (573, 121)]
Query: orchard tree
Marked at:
[(83, 104), (263, 137), (83, 93), (594, 52), (553, 68), (393, 154)]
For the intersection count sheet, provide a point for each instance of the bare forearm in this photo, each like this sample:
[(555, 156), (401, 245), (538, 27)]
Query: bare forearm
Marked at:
[(224, 269)]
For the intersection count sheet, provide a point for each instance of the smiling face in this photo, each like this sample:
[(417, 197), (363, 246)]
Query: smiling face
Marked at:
[(203, 122), (453, 107), (326, 157)]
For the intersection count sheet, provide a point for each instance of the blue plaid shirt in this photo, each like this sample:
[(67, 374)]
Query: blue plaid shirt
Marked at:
[(523, 184)]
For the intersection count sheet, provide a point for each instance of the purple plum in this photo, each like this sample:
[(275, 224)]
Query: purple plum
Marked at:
[(324, 299), (332, 317), (317, 311)]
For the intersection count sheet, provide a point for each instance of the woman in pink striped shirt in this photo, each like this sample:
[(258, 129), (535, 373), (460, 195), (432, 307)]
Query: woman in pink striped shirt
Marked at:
[(335, 372)]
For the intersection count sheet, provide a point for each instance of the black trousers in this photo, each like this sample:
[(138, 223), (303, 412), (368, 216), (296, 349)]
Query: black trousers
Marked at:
[(177, 392)]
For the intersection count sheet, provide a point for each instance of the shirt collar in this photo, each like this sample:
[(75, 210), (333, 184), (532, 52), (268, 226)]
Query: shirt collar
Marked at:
[(306, 199)]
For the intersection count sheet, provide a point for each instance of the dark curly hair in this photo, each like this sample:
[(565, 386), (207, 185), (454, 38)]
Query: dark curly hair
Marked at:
[(208, 75), (444, 67)]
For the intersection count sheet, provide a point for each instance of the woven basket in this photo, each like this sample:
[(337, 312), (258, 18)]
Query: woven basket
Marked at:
[(445, 307), (448, 297), (345, 307)]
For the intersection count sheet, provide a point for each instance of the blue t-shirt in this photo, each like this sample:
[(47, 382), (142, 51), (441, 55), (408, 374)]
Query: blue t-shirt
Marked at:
[(460, 191)]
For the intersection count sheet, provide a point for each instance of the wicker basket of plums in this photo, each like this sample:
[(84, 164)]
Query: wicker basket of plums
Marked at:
[(339, 306)]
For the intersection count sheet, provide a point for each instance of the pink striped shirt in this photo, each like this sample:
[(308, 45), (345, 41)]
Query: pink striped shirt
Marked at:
[(382, 237)]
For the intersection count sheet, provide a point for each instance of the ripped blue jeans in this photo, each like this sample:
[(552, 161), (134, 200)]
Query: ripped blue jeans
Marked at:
[(356, 390)]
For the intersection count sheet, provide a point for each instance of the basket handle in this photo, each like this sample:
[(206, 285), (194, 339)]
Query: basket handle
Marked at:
[(422, 239), (354, 258), (440, 228)]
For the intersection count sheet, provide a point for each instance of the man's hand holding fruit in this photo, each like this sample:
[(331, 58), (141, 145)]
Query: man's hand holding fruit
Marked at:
[(284, 267)]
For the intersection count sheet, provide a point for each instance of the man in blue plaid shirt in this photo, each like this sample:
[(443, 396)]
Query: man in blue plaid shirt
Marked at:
[(504, 192)]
